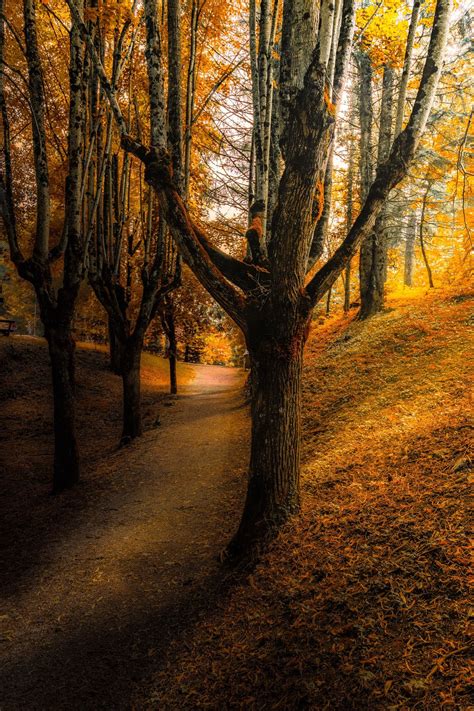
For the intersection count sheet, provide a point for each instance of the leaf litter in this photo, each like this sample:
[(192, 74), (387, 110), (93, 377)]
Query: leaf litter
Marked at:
[(362, 602)]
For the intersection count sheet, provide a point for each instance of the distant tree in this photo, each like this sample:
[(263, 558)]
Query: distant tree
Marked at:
[(382, 45), (410, 238)]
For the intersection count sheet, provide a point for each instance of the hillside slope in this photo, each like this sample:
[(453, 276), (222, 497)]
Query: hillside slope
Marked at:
[(362, 602)]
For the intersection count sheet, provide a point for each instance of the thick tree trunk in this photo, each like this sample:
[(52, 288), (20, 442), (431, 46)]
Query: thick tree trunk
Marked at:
[(66, 454), (402, 92), (273, 488), (131, 359)]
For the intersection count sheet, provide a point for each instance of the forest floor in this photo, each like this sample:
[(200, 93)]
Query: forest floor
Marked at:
[(362, 602), (114, 596), (94, 583)]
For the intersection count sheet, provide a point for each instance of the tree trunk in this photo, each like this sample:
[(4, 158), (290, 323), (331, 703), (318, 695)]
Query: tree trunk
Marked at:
[(365, 167), (114, 351), (131, 359), (273, 487), (328, 301), (66, 454), (402, 92), (347, 287), (422, 238), (373, 258), (410, 251), (172, 355), (372, 271), (168, 323)]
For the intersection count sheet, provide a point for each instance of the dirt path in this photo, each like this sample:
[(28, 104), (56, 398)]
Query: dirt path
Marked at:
[(127, 561)]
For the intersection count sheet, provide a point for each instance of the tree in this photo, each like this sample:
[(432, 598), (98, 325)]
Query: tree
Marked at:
[(273, 304), (381, 44), (373, 252), (56, 304), (410, 238)]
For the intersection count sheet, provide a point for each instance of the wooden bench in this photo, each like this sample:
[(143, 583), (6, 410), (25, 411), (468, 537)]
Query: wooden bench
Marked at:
[(7, 326)]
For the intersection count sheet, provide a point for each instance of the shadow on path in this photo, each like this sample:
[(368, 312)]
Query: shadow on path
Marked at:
[(136, 561)]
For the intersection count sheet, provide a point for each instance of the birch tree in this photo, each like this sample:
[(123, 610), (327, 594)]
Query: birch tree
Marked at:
[(373, 253), (410, 238)]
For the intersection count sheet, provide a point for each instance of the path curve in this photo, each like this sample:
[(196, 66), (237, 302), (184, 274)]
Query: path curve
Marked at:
[(92, 619)]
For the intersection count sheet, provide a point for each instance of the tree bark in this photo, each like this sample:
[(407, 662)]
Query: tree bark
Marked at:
[(114, 350), (366, 165), (402, 92), (328, 301), (372, 272), (56, 305), (422, 238), (349, 219), (373, 257), (410, 251), (168, 323), (273, 485), (173, 362), (347, 287), (66, 454), (131, 360)]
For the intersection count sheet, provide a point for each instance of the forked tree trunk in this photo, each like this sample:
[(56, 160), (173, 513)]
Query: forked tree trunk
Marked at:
[(273, 486), (66, 455), (131, 360), (274, 320)]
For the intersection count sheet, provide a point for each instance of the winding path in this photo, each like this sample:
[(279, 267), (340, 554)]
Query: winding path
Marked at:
[(132, 563)]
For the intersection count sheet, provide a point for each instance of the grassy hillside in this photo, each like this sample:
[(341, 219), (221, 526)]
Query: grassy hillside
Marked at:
[(362, 602)]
